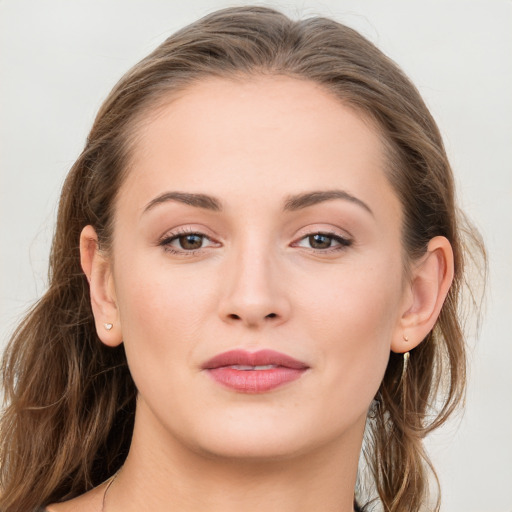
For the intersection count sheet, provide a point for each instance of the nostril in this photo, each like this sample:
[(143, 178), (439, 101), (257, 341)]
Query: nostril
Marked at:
[(234, 316)]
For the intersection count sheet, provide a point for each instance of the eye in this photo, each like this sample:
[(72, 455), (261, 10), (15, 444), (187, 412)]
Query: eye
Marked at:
[(189, 242), (324, 242), (185, 242)]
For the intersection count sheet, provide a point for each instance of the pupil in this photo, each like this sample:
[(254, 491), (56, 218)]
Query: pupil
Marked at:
[(320, 241), (191, 241)]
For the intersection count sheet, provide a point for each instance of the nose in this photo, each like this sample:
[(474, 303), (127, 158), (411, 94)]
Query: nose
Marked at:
[(254, 294)]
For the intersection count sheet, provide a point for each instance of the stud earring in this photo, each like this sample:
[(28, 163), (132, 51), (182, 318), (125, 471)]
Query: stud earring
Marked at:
[(108, 326)]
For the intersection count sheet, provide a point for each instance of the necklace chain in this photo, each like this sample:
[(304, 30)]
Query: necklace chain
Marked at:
[(110, 482)]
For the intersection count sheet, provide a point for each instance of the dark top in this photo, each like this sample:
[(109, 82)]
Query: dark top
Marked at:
[(356, 508)]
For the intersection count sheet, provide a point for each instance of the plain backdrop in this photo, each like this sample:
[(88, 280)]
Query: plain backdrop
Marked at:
[(59, 59)]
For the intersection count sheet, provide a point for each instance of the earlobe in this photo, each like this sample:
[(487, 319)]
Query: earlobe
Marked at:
[(430, 282), (97, 269)]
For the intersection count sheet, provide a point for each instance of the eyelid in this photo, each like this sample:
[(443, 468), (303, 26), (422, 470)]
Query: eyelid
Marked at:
[(326, 229), (188, 229)]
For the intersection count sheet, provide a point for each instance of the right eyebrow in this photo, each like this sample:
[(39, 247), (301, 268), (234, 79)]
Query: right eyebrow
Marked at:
[(300, 201), (197, 200)]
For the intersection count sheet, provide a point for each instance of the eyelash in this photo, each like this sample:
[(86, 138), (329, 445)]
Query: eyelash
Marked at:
[(342, 242)]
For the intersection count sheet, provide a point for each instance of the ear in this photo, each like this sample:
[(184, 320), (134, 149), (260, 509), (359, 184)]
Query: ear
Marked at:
[(98, 270), (431, 278)]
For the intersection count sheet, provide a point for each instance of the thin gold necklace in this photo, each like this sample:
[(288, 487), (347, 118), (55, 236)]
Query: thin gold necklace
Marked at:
[(110, 482)]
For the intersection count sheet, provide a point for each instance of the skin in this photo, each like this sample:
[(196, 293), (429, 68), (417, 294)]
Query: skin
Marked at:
[(257, 281)]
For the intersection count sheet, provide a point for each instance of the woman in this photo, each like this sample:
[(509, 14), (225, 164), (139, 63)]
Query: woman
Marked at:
[(256, 272)]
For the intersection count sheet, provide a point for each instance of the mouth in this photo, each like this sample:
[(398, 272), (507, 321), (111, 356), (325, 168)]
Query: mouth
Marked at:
[(254, 372)]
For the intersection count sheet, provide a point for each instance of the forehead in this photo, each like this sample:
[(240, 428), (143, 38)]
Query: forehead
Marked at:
[(264, 136)]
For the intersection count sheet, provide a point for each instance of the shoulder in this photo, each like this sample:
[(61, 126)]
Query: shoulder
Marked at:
[(89, 502)]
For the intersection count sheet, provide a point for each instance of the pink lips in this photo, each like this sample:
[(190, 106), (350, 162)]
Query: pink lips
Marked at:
[(254, 372)]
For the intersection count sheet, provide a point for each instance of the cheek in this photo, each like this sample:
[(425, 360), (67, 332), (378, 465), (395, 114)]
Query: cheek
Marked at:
[(162, 313), (354, 320)]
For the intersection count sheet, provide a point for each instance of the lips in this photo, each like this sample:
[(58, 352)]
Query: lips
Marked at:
[(254, 372)]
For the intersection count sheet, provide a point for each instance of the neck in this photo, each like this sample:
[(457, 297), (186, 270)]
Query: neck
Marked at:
[(162, 474)]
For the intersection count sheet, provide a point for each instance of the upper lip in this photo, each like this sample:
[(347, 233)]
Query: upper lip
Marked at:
[(259, 358)]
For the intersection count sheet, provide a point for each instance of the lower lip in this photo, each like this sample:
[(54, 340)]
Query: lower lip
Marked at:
[(254, 381)]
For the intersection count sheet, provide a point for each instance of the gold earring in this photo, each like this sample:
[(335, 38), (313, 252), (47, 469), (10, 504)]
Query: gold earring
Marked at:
[(108, 326), (405, 364)]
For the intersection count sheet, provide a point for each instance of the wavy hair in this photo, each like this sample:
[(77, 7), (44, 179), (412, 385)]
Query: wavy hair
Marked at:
[(70, 400)]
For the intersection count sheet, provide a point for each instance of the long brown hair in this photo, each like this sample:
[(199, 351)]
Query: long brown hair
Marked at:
[(70, 400)]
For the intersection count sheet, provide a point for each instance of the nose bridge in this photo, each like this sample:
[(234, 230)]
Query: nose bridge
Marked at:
[(253, 294)]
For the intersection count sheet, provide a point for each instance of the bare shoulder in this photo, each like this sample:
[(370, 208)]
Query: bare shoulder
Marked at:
[(89, 502)]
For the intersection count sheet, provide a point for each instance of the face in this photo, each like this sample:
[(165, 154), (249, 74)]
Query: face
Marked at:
[(256, 216)]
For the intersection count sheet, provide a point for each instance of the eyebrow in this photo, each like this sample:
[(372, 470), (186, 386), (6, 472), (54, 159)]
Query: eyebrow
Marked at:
[(197, 200), (292, 203), (300, 201)]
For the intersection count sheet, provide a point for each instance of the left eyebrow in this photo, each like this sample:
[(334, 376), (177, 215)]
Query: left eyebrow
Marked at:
[(196, 200), (300, 201)]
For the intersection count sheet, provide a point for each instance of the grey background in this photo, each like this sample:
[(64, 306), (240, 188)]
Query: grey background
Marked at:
[(59, 59)]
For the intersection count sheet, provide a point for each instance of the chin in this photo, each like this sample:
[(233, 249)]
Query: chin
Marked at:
[(259, 437), (250, 447)]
